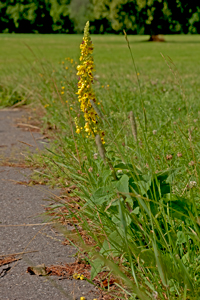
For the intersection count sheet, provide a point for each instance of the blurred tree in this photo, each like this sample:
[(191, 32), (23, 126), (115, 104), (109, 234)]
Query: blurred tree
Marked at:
[(5, 22), (150, 16), (43, 21), (80, 11), (60, 12), (185, 16), (28, 16), (101, 16), (43, 16)]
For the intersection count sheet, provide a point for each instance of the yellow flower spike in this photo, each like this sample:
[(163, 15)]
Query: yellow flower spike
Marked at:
[(86, 95)]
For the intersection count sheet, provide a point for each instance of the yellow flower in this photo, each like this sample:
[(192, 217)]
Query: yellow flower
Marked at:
[(75, 276), (138, 74), (82, 277), (62, 93), (72, 61), (86, 95), (66, 68), (62, 87), (82, 298), (63, 62)]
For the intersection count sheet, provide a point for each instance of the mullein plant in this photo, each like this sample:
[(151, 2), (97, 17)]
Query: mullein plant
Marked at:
[(86, 95)]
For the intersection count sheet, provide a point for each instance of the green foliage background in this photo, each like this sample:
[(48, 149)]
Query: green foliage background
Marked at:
[(106, 16)]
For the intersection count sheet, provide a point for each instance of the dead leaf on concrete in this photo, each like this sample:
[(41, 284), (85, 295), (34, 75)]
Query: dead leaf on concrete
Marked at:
[(39, 270), (7, 260)]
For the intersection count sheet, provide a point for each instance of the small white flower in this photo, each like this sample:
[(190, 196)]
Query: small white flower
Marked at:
[(95, 155), (192, 184), (155, 295)]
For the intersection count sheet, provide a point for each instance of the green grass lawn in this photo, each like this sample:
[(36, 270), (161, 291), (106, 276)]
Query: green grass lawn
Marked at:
[(111, 53), (20, 53)]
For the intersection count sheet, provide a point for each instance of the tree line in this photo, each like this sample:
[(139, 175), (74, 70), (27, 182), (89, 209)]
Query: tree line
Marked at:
[(106, 16)]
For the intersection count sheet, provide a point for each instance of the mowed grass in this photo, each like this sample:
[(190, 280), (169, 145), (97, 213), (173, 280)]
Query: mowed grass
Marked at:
[(111, 53), (20, 53)]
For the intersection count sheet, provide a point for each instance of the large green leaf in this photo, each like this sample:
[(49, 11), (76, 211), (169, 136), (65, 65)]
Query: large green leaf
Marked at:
[(97, 265), (103, 195), (114, 244), (123, 185)]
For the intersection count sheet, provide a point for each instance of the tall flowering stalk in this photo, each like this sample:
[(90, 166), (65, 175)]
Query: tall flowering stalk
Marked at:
[(86, 95)]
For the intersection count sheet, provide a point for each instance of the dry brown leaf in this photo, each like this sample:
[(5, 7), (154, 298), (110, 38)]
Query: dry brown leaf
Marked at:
[(7, 260), (39, 270)]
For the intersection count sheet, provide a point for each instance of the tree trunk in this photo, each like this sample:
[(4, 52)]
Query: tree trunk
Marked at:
[(156, 38)]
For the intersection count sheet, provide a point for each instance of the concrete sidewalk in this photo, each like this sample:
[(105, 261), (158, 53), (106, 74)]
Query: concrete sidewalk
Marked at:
[(21, 204)]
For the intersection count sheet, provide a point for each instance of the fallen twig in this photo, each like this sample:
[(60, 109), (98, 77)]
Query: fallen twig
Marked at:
[(19, 253), (38, 224)]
